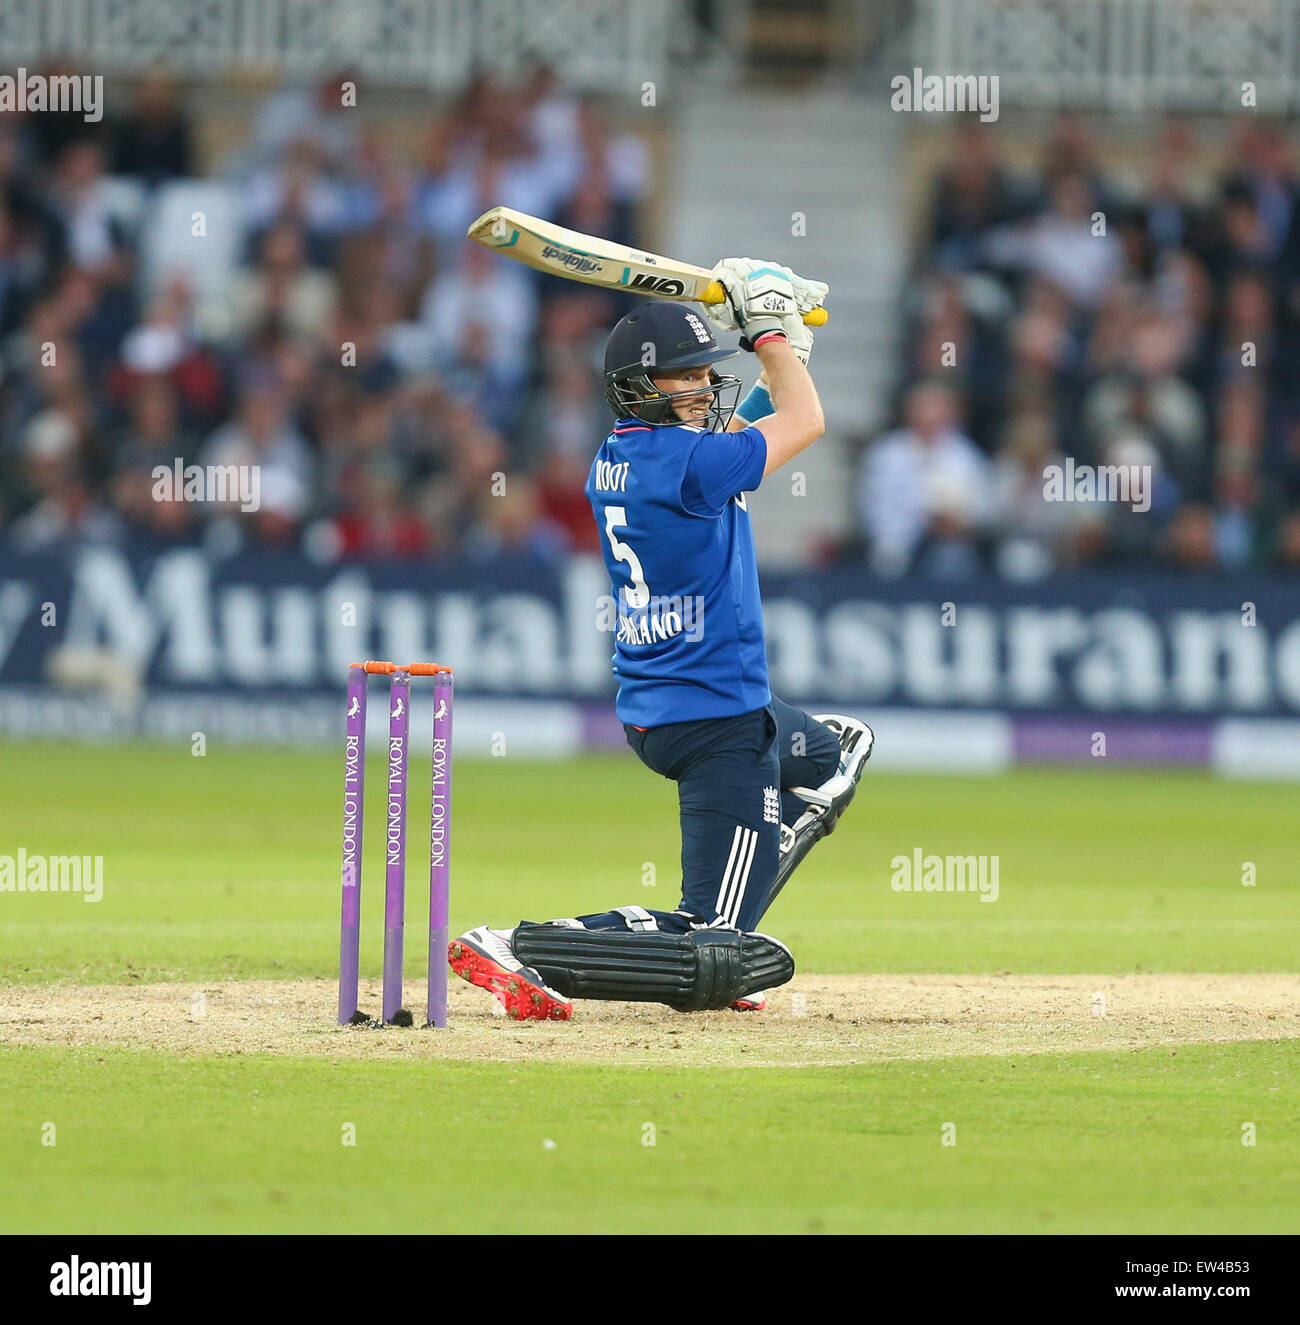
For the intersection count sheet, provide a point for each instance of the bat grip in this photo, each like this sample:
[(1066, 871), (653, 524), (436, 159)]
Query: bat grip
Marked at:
[(715, 294)]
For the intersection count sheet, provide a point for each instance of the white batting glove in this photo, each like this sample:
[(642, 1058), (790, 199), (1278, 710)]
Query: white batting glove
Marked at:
[(799, 335), (807, 294), (760, 295)]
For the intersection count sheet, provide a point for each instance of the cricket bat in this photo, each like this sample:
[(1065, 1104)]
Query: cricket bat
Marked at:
[(547, 247)]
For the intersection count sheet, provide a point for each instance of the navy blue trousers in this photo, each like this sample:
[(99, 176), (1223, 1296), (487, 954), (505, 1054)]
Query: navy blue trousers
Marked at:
[(732, 777)]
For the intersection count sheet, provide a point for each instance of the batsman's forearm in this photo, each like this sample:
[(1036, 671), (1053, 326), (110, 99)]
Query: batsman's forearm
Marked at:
[(756, 405), (797, 421), (790, 385)]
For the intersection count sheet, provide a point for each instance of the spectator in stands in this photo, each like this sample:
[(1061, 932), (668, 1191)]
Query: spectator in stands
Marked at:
[(148, 514), (1070, 149), (1280, 462), (365, 326), (153, 434), (1168, 212), (61, 505), (299, 194), (36, 225), (1238, 524), (282, 286), (961, 328), (1131, 531), (1235, 237), (568, 412), (1148, 398), (513, 524), (151, 142), (319, 119), (261, 436), (100, 271), (52, 132), (1044, 349), (493, 157), (1288, 541), (283, 506), (1245, 440), (480, 317), (1034, 535), (85, 208), (166, 342), (1062, 244), (1247, 340), (553, 117), (561, 481), (378, 519), (21, 271), (47, 368), (1262, 170), (925, 490), (383, 242), (610, 178), (1189, 544), (973, 193)]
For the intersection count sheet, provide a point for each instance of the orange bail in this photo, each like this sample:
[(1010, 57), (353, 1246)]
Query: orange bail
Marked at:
[(377, 668)]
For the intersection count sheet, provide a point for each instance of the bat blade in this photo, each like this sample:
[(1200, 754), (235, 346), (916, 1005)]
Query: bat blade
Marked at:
[(577, 257)]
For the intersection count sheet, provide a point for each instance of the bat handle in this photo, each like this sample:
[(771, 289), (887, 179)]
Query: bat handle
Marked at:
[(715, 294)]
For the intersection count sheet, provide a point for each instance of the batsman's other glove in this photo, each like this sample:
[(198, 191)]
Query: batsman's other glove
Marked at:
[(760, 295), (807, 294)]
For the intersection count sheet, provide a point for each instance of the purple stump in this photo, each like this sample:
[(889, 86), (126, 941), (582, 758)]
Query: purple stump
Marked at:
[(399, 721), (354, 793), (440, 849)]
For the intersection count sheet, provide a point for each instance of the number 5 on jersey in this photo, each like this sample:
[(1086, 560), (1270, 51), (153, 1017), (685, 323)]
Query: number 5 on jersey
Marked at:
[(638, 594)]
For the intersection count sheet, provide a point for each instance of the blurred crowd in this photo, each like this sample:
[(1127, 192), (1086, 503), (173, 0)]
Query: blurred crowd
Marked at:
[(402, 391), (1079, 314), (405, 393)]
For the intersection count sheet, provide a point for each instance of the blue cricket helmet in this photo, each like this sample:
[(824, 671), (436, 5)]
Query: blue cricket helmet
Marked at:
[(658, 338)]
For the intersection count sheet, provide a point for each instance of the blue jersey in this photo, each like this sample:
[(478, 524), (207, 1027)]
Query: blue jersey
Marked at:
[(670, 506)]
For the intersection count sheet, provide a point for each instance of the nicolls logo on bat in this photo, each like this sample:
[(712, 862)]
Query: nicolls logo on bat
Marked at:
[(574, 261), (657, 284)]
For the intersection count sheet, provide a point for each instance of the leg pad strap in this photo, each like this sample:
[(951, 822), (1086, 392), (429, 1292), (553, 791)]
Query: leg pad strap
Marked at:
[(706, 969)]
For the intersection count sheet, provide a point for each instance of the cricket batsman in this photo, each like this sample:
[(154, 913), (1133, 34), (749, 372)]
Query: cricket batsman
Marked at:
[(759, 781)]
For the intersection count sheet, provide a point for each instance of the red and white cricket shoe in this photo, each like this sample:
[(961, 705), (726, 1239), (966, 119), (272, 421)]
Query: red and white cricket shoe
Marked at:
[(483, 957), (750, 1003)]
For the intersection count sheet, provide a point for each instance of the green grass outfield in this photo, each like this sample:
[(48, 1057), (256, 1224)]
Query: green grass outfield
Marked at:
[(226, 866), (1147, 1141)]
